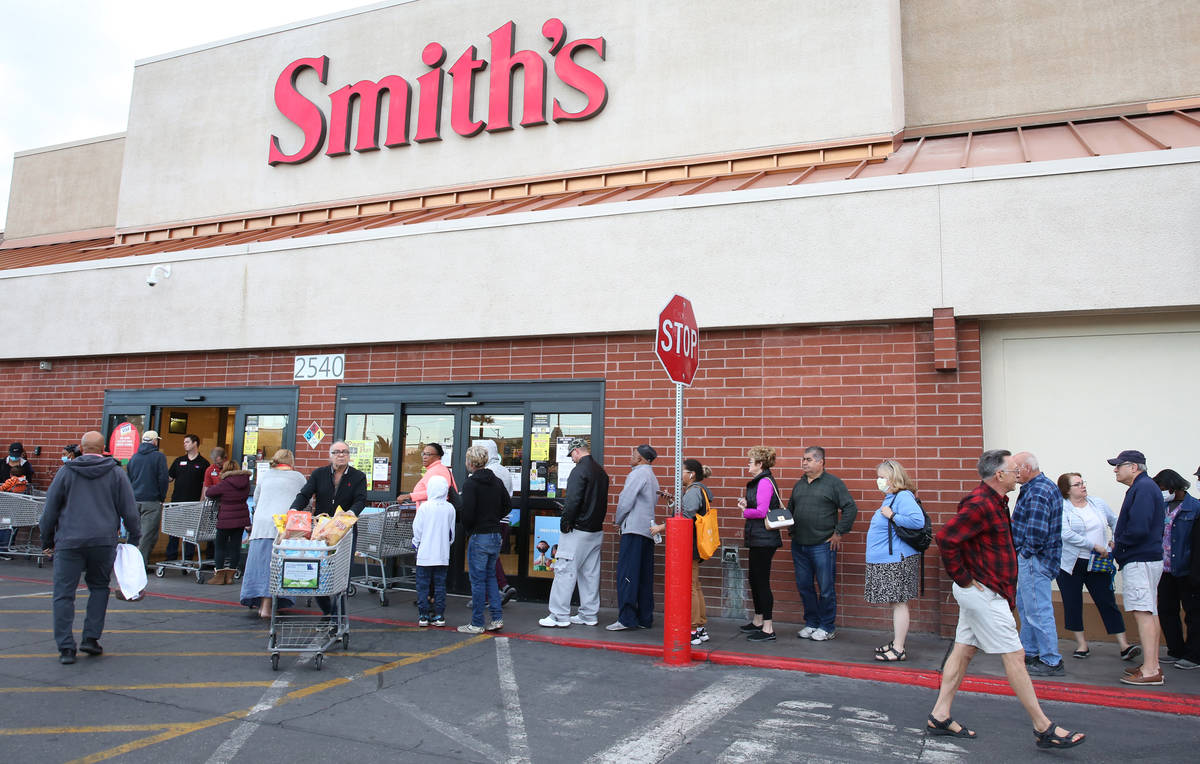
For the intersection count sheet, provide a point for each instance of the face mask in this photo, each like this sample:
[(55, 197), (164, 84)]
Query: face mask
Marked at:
[(1168, 495), (883, 484), (65, 460)]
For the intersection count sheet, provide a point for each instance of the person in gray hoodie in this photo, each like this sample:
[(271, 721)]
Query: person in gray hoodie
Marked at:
[(85, 504), (635, 560), (148, 474), (506, 478)]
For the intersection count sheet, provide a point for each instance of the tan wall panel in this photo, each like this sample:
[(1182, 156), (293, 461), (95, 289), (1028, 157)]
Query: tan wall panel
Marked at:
[(63, 189), (971, 60)]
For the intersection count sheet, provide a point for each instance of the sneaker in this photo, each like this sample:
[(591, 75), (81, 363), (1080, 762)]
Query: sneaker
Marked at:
[(806, 632), (617, 626), (66, 656), (1043, 669), (91, 647), (1138, 679), (495, 625), (423, 621), (584, 621), (470, 628), (1131, 652), (1031, 660), (696, 638), (439, 620), (506, 595), (1168, 658), (1186, 665), (749, 628), (761, 636), (820, 635), (550, 622), (702, 633)]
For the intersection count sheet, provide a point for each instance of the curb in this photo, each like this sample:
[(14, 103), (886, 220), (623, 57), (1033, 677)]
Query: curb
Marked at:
[(1111, 697)]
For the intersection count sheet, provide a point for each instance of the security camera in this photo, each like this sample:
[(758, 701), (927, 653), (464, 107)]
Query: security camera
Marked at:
[(157, 272)]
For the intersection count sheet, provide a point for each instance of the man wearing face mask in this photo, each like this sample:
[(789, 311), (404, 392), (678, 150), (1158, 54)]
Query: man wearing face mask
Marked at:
[(1037, 537), (16, 455)]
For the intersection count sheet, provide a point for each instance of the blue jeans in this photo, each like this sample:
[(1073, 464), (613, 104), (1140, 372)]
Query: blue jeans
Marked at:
[(816, 561), (483, 549), (1039, 634), (434, 575)]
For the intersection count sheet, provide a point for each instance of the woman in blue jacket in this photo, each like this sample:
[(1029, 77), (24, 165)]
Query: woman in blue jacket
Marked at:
[(893, 567), (1180, 582)]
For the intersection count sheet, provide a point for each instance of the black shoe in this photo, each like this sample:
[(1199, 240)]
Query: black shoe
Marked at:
[(91, 647), (508, 594), (749, 628), (1042, 669), (761, 636), (66, 656), (1031, 659)]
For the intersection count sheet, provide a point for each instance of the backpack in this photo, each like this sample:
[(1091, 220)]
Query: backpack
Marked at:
[(708, 537), (918, 538)]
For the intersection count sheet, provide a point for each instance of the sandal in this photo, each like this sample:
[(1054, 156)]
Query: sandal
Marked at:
[(1047, 739), (935, 728), (1082, 653), (891, 655), (884, 648)]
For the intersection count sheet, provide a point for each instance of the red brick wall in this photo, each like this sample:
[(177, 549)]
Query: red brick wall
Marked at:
[(863, 392)]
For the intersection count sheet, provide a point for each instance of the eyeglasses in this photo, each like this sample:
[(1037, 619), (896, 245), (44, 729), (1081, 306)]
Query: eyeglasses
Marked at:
[(1125, 464), (430, 454), (1080, 484), (339, 451)]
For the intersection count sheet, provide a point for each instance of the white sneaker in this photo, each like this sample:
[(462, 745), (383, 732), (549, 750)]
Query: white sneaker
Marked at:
[(820, 635), (617, 626), (584, 621), (806, 632), (550, 622)]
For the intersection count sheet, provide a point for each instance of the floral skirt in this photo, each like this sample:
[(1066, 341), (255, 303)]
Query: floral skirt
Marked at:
[(892, 582)]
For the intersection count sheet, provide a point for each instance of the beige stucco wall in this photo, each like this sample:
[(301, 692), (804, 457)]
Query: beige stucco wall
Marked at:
[(685, 78), (72, 187), (1120, 239), (971, 60)]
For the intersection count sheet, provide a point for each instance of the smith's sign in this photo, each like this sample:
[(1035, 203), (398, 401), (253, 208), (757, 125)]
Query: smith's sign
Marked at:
[(368, 96)]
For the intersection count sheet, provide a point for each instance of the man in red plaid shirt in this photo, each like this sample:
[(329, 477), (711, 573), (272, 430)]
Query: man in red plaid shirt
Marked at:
[(977, 550)]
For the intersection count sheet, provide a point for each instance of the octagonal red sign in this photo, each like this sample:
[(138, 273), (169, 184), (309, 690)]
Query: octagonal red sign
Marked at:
[(677, 340)]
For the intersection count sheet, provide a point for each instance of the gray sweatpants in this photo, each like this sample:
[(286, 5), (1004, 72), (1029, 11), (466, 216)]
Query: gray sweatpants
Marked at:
[(150, 513), (577, 563), (95, 564)]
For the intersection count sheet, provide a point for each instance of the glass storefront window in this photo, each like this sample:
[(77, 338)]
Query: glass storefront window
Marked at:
[(420, 429), (507, 431), (369, 437), (549, 467)]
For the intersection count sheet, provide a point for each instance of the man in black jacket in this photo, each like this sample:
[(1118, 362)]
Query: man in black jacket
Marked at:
[(582, 527), (85, 503), (333, 486)]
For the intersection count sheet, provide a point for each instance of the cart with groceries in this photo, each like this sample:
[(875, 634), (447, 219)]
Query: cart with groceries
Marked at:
[(310, 558), (194, 522), (20, 513), (383, 536)]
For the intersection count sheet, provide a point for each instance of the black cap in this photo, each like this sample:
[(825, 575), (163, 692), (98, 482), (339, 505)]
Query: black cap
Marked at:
[(647, 452), (1137, 457), (16, 449)]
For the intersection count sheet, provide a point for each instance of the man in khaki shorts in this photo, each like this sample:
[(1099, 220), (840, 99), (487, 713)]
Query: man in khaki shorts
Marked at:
[(1138, 550), (977, 550)]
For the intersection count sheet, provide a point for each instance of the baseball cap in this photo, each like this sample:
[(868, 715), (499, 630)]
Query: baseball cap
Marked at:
[(647, 452), (16, 449), (149, 436), (1137, 457), (576, 443)]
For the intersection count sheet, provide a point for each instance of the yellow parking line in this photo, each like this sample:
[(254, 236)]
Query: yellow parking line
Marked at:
[(92, 729), (172, 733), (133, 687)]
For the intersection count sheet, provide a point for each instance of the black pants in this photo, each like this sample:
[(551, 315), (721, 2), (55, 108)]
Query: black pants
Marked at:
[(635, 581), (229, 548), (95, 564), (760, 581), (1174, 591), (1100, 586)]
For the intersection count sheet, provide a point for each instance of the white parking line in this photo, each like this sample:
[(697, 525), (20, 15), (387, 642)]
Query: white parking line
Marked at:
[(18, 596), (227, 750), (450, 730), (518, 740), (675, 728)]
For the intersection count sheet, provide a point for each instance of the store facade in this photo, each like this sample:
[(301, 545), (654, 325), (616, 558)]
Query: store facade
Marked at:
[(883, 261)]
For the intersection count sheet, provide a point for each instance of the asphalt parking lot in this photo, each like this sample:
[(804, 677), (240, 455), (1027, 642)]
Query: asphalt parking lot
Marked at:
[(186, 676)]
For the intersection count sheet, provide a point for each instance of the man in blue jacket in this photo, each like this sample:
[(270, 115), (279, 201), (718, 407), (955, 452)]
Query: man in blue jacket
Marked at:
[(148, 473), (85, 503), (1137, 548)]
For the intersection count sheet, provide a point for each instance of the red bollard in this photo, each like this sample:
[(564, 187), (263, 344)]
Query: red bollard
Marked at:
[(677, 593)]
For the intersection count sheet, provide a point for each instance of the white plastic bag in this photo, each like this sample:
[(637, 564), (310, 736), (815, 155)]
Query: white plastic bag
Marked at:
[(130, 571)]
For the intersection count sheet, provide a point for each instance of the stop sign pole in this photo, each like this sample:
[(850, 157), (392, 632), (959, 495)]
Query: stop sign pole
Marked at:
[(676, 343)]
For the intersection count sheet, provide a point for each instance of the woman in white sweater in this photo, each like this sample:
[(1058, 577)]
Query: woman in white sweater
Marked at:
[(273, 495)]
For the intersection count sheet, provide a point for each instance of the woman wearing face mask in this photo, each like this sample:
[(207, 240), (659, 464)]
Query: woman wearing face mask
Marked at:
[(1083, 535), (1180, 582), (893, 567), (70, 452)]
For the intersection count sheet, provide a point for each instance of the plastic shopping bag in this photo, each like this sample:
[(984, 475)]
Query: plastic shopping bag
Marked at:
[(130, 571)]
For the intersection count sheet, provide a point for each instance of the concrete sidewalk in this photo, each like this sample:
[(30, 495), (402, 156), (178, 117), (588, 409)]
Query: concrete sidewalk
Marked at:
[(850, 654)]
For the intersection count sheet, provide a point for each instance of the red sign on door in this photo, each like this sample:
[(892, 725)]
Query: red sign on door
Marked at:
[(676, 342), (123, 443)]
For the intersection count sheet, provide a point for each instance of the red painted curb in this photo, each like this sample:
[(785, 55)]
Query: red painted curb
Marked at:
[(1111, 697)]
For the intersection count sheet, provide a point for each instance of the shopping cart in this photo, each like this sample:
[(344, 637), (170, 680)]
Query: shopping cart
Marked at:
[(21, 512), (382, 536), (194, 522), (298, 570)]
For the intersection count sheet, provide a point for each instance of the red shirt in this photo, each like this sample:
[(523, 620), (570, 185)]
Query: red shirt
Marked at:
[(976, 544), (212, 477)]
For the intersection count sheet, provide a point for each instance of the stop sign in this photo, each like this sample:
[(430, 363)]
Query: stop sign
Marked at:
[(676, 341)]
